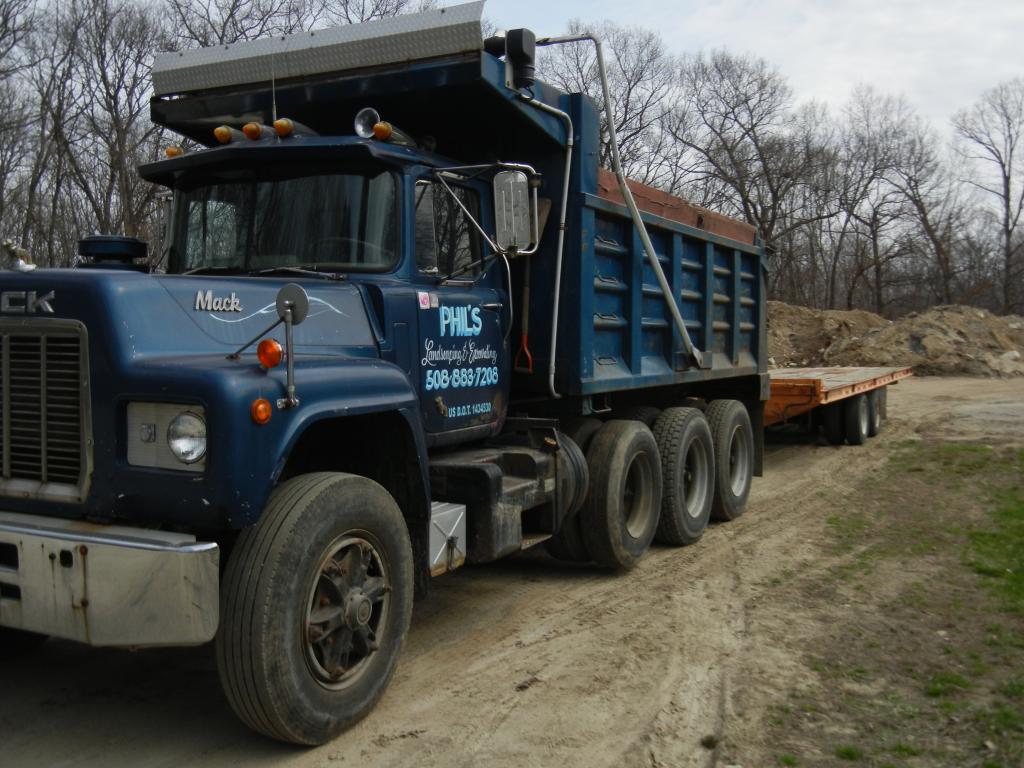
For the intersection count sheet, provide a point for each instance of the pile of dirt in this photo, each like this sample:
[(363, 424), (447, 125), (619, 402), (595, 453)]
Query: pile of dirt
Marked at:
[(943, 340), (800, 336)]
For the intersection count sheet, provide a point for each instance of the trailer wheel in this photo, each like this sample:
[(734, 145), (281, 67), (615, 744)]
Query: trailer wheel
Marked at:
[(17, 642), (874, 412), (832, 421), (568, 543), (856, 419), (688, 475), (883, 402), (316, 600), (647, 414), (620, 515), (733, 439)]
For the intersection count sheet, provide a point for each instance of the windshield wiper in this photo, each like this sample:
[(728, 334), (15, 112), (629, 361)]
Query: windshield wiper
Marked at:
[(208, 270), (311, 270)]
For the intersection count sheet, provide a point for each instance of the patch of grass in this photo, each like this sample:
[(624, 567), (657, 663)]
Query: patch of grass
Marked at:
[(849, 753), (788, 760), (1001, 719), (1012, 689), (946, 683), (998, 553), (905, 750)]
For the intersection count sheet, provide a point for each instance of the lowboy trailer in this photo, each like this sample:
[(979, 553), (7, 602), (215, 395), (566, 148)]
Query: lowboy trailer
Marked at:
[(848, 403)]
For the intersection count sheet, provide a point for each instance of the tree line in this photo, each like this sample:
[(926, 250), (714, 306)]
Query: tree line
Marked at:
[(865, 206)]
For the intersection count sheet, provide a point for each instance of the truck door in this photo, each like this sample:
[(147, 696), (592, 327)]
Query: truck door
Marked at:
[(463, 319)]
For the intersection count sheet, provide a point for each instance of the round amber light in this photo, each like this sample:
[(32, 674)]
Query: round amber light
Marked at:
[(222, 133), (261, 411), (283, 127), (382, 131), (269, 353), (253, 131)]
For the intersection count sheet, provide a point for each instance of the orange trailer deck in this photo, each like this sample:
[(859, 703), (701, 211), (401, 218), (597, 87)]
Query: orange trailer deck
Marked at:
[(795, 391)]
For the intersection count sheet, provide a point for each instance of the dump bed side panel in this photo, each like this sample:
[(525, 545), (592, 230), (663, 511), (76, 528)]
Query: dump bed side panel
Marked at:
[(718, 285)]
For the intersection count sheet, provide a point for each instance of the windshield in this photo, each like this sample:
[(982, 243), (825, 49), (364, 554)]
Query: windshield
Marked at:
[(342, 221)]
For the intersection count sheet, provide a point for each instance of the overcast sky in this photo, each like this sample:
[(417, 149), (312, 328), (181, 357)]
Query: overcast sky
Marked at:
[(940, 54)]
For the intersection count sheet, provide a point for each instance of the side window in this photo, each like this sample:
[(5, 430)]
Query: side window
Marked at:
[(447, 242)]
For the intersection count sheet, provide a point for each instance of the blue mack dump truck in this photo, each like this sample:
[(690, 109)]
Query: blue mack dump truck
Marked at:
[(370, 355)]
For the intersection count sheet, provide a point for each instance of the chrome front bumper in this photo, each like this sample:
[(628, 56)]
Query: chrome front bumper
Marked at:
[(107, 585)]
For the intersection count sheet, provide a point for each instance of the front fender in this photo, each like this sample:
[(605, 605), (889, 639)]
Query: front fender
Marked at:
[(244, 459)]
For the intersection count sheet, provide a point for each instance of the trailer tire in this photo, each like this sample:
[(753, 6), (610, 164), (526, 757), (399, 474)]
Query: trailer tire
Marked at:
[(330, 560), (874, 412), (733, 440), (647, 414), (856, 419), (832, 421), (568, 544), (688, 475), (18, 642), (620, 515), (883, 402)]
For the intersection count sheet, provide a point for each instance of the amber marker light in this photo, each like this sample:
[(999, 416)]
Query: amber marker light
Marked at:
[(174, 151), (283, 127), (382, 131), (269, 353), (253, 131), (261, 411), (222, 133)]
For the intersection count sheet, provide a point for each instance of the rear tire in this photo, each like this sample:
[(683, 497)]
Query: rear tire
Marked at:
[(856, 419), (733, 439), (874, 412), (688, 475), (18, 642), (568, 544), (315, 605), (620, 515)]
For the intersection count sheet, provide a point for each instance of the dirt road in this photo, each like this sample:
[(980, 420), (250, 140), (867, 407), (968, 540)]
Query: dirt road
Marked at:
[(530, 662)]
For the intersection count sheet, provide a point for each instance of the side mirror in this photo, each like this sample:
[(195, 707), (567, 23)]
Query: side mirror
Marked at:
[(293, 297), (515, 211)]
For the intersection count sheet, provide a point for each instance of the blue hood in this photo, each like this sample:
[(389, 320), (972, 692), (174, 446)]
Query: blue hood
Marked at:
[(157, 315)]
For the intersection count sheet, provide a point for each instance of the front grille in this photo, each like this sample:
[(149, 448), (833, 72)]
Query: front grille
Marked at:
[(43, 407)]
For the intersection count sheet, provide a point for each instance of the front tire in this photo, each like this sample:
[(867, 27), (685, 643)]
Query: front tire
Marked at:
[(315, 605)]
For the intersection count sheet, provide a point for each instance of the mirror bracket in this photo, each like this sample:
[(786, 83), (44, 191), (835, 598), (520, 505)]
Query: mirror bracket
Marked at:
[(292, 308)]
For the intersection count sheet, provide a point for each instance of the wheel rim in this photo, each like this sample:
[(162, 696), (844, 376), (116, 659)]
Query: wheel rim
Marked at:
[(739, 460), (862, 413), (636, 497), (695, 478), (346, 610)]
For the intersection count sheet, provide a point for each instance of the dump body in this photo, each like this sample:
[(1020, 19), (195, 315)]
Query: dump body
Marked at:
[(621, 332), (796, 391)]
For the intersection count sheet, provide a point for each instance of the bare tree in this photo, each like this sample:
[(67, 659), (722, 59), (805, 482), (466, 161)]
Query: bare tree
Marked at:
[(641, 85), (991, 133), (16, 18), (737, 115)]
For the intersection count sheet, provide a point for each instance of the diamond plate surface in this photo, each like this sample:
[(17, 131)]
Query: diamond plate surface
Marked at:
[(388, 41)]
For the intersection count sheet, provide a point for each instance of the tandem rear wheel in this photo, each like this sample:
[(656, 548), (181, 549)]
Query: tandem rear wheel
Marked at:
[(316, 601)]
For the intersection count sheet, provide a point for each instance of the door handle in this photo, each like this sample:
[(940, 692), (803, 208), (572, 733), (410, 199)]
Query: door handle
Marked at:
[(494, 307)]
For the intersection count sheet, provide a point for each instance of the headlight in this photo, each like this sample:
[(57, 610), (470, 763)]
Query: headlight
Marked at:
[(186, 437)]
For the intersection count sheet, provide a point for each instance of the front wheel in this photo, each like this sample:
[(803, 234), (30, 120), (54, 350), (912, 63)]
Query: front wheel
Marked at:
[(315, 605)]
